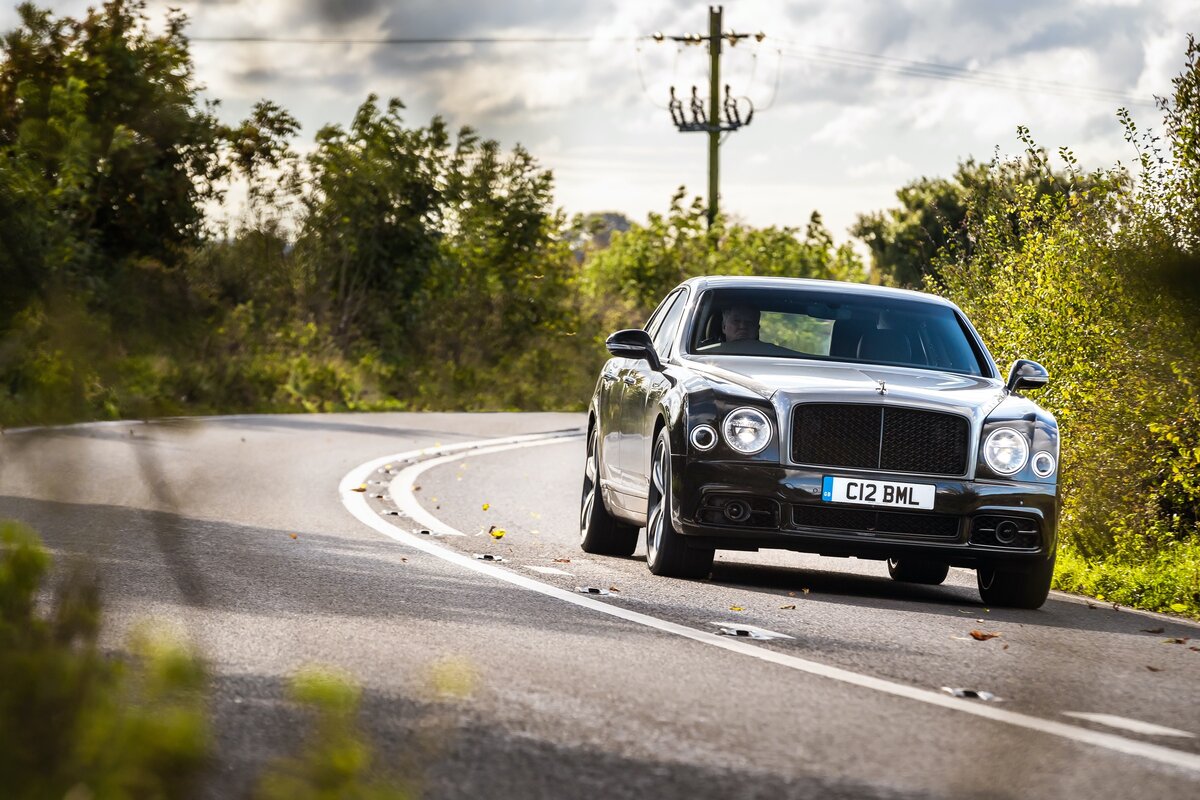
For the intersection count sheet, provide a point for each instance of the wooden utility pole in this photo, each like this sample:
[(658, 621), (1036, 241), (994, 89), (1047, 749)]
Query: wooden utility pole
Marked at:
[(711, 122), (715, 14)]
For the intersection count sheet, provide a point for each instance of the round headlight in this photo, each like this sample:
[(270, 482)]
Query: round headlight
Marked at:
[(747, 430), (1043, 464), (1005, 451), (704, 437)]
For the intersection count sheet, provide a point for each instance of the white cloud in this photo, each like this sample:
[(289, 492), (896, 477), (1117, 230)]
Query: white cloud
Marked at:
[(852, 126), (890, 166)]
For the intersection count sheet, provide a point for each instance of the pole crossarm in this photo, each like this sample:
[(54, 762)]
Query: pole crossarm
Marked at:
[(722, 115)]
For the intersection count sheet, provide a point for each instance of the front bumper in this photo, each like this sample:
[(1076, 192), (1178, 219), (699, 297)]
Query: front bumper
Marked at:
[(788, 513)]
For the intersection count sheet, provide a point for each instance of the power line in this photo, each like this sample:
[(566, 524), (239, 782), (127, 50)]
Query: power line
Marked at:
[(419, 40), (945, 72), (821, 54)]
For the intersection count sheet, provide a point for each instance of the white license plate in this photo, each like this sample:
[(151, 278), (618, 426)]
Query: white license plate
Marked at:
[(877, 493)]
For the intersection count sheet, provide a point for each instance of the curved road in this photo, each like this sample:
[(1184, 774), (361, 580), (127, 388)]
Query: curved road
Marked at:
[(636, 692)]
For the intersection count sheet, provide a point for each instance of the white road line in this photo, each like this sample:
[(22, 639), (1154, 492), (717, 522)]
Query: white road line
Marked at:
[(402, 488), (357, 505), (1132, 725)]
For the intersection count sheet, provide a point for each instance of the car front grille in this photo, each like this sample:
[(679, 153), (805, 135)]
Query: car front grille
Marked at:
[(942, 526), (880, 437)]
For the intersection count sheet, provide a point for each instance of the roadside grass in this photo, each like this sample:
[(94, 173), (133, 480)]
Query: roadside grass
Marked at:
[(1170, 582)]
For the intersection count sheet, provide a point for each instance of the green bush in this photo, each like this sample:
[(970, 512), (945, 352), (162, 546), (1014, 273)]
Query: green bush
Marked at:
[(1076, 280), (335, 763), (74, 720)]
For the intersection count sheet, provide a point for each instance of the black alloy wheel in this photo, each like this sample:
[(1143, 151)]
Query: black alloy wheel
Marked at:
[(599, 531), (917, 570), (667, 551), (1027, 588)]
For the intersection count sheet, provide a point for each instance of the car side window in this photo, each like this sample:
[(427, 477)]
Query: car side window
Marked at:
[(660, 313), (655, 321), (665, 335)]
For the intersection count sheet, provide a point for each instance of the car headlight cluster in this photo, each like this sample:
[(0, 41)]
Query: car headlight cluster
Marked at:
[(746, 430), (1006, 451)]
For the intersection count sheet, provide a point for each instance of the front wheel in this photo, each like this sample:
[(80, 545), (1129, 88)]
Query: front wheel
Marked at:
[(599, 531), (1027, 588), (667, 551)]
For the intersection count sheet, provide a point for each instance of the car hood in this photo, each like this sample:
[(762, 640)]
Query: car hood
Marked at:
[(794, 381)]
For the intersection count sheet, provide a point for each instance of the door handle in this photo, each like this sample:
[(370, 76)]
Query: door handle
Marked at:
[(629, 380), (607, 377)]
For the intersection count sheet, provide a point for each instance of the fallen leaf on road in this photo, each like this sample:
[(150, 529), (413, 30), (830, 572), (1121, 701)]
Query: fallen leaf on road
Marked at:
[(736, 608), (1197, 649), (486, 506), (613, 589), (980, 636), (806, 591), (1091, 604), (1153, 669), (362, 487), (416, 488), (497, 533), (1153, 630), (292, 535), (789, 608), (562, 561), (1005, 647), (1174, 641)]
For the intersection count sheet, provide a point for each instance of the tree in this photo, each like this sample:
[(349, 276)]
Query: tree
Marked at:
[(642, 264), (102, 118), (933, 213), (372, 215)]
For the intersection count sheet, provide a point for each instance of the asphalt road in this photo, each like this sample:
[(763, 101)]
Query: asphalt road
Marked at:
[(633, 693)]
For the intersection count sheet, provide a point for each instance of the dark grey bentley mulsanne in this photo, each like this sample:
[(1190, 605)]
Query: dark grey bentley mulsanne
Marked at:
[(832, 418)]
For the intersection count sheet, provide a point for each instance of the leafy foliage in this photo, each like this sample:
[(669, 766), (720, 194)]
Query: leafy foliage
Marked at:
[(642, 264), (1076, 280), (937, 213), (74, 722), (335, 762)]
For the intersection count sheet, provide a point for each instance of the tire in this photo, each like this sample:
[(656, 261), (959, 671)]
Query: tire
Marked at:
[(917, 570), (599, 531), (1009, 588), (667, 551)]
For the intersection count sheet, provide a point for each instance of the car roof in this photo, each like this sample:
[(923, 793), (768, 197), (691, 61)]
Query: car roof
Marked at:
[(811, 284)]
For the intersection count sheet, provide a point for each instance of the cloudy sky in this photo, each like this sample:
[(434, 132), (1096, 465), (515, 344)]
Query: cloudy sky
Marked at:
[(845, 113)]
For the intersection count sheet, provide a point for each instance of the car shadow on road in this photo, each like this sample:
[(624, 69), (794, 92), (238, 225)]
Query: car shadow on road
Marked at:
[(868, 591), (151, 558)]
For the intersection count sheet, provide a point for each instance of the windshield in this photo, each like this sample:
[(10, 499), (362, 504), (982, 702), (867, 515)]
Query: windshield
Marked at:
[(830, 326)]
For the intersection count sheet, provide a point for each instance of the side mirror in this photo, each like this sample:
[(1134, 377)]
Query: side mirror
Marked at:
[(634, 343), (1026, 374)]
